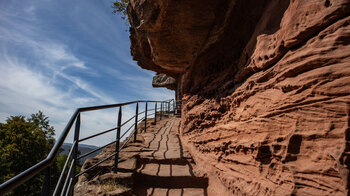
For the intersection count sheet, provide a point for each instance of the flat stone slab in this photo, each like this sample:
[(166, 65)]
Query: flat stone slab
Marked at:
[(173, 192), (165, 170), (128, 165)]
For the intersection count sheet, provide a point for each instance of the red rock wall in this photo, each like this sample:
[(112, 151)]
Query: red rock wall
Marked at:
[(266, 103)]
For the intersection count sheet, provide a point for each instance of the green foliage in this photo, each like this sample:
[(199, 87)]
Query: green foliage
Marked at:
[(120, 7), (23, 143), (41, 121), (61, 160), (59, 164)]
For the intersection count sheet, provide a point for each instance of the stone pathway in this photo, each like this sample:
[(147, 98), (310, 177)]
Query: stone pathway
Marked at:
[(156, 165), (166, 168)]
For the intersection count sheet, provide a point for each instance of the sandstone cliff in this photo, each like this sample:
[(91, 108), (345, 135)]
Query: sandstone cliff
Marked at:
[(265, 85)]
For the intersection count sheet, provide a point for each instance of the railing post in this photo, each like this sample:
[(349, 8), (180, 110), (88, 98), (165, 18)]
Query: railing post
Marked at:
[(155, 113), (45, 190), (174, 106), (145, 116), (168, 109), (75, 153), (161, 110), (136, 119), (117, 140)]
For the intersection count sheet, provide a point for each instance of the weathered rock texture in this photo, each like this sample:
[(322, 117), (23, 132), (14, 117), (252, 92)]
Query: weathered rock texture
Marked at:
[(162, 80), (266, 88)]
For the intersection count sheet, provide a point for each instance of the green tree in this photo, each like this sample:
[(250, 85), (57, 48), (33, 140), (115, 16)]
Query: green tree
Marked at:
[(39, 120), (61, 160), (120, 7), (23, 143)]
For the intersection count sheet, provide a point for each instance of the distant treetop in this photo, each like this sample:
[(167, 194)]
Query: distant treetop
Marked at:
[(119, 6)]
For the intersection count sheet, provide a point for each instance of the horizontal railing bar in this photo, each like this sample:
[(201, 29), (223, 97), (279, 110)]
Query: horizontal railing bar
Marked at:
[(128, 139), (127, 121), (105, 106), (64, 168), (127, 130), (141, 119), (95, 150), (89, 137), (103, 160), (109, 130), (84, 109), (150, 114), (141, 112)]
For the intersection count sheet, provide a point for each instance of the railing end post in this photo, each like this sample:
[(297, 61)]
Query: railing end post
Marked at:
[(168, 109), (119, 122), (161, 110), (146, 116), (45, 190), (155, 113), (75, 152), (136, 120)]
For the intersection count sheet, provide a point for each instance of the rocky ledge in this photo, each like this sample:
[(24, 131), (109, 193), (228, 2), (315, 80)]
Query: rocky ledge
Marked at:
[(162, 80), (265, 85)]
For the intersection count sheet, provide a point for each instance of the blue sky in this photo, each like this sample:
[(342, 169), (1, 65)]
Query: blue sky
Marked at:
[(56, 56)]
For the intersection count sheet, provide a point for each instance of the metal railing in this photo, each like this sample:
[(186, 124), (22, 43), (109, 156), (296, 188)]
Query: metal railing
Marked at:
[(178, 107), (166, 108)]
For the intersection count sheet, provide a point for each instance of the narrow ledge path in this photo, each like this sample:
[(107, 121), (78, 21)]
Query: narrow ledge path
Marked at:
[(156, 165)]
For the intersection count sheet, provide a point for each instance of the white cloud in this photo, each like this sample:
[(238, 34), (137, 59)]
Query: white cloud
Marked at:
[(54, 53), (24, 91), (50, 55), (20, 80), (39, 71)]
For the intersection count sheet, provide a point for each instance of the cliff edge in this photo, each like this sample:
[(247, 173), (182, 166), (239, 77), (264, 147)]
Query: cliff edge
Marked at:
[(265, 87)]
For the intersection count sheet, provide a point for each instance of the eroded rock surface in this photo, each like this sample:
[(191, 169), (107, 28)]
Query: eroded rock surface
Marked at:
[(162, 80), (167, 35), (266, 88)]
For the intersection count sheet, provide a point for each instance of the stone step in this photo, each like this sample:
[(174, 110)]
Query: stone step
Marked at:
[(150, 191), (120, 177), (169, 176), (161, 155), (177, 161), (128, 165)]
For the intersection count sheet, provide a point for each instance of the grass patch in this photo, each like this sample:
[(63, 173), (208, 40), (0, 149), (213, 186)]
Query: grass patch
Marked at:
[(110, 186)]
